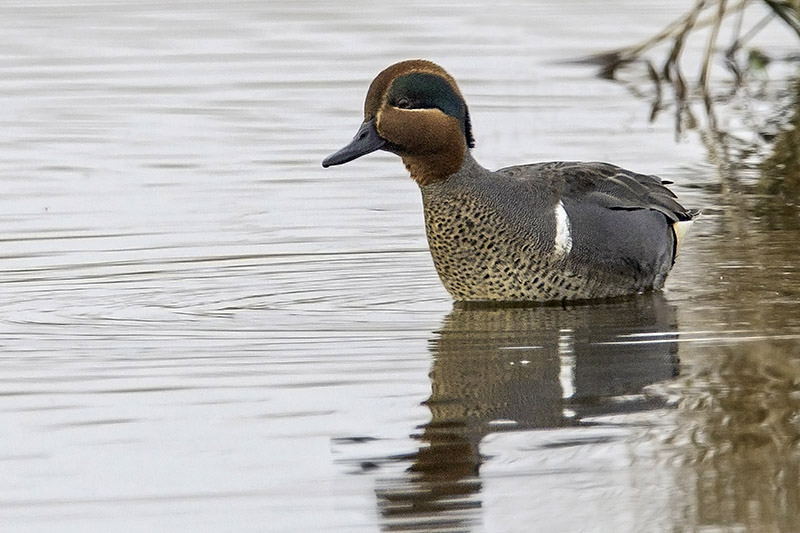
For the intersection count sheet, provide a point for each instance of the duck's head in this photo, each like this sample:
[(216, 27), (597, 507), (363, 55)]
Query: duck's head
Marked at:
[(415, 110)]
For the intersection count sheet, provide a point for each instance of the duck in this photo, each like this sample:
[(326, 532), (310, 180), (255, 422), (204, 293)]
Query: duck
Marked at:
[(539, 232)]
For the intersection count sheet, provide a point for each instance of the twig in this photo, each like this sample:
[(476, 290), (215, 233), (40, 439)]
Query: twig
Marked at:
[(677, 47), (656, 107), (616, 58), (785, 12), (757, 27), (730, 53), (712, 41)]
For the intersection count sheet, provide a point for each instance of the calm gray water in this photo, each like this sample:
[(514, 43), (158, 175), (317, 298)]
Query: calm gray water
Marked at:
[(203, 330)]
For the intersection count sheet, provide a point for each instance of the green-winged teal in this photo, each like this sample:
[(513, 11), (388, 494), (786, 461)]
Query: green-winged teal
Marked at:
[(538, 232)]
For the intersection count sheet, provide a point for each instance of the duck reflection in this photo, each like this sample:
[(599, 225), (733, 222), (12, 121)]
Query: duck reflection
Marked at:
[(516, 368)]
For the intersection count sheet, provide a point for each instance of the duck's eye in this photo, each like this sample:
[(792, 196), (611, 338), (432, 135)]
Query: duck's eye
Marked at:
[(403, 103)]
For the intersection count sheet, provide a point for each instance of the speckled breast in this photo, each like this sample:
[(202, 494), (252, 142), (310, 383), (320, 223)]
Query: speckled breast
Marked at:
[(481, 256)]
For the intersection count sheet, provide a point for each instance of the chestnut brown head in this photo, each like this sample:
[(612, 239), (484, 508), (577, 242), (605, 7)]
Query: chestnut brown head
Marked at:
[(415, 110)]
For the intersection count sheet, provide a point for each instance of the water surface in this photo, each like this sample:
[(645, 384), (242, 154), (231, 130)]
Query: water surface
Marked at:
[(203, 330)]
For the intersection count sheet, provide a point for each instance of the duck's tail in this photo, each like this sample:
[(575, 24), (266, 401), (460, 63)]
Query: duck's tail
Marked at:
[(682, 227)]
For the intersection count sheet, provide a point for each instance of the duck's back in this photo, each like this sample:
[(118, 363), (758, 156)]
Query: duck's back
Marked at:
[(550, 231)]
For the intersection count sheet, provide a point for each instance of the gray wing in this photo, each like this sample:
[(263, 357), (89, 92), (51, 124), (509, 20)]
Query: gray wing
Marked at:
[(604, 185)]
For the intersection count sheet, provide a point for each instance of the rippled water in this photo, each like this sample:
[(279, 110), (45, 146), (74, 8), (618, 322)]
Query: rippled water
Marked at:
[(203, 330)]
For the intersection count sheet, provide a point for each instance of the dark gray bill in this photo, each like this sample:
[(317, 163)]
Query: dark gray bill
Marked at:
[(366, 140)]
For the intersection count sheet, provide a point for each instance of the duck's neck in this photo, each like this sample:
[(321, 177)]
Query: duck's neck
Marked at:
[(430, 168), (469, 170)]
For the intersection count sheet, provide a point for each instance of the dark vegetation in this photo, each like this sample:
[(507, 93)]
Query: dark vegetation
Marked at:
[(760, 133)]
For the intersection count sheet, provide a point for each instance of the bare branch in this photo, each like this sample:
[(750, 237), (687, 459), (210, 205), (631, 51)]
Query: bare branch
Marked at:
[(709, 55)]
